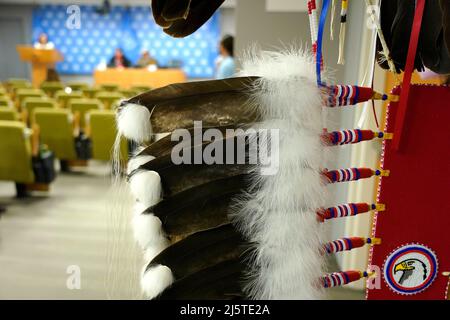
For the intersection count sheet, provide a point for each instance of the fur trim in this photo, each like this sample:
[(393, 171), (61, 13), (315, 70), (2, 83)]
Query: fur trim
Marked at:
[(152, 251), (146, 187), (137, 161), (155, 280), (147, 230), (278, 214), (133, 122)]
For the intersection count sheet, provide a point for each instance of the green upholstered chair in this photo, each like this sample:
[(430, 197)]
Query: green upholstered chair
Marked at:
[(63, 98), (18, 81), (5, 101), (56, 131), (15, 151), (90, 92), (102, 127), (141, 88), (109, 98), (82, 106), (109, 87), (78, 86), (8, 114), (30, 104), (51, 87), (128, 93), (23, 93), (13, 87)]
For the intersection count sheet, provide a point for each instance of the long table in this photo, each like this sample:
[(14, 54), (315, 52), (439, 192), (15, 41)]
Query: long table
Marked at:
[(126, 78)]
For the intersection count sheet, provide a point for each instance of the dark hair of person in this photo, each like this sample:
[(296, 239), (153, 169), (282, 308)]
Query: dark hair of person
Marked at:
[(228, 44)]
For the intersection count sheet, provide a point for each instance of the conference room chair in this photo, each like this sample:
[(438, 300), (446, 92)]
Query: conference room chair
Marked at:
[(80, 107), (12, 85), (50, 87), (63, 98), (128, 93), (109, 87), (141, 88), (90, 92), (23, 93), (32, 103), (109, 98), (16, 155), (56, 128), (8, 114), (102, 131), (77, 86), (17, 81), (5, 101)]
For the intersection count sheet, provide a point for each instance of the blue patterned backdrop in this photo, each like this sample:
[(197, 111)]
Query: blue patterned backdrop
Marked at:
[(132, 29)]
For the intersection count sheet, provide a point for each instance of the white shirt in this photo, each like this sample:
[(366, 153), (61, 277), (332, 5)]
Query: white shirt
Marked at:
[(48, 46)]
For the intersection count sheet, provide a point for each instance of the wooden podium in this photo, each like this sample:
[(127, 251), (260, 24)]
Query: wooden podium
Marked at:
[(41, 60)]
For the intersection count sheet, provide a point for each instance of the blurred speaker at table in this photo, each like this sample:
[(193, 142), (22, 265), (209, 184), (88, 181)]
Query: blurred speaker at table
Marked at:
[(119, 60), (146, 60)]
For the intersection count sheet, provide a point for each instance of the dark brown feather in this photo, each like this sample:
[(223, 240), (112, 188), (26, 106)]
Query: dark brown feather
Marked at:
[(201, 250), (222, 281), (200, 12), (199, 208), (164, 146), (175, 9), (179, 177), (214, 102), (157, 8)]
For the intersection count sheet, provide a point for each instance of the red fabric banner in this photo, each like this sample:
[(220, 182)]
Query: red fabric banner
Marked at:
[(415, 228)]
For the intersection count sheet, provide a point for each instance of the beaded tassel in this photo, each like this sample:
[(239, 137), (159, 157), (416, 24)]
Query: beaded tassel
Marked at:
[(354, 136), (347, 244), (353, 174), (344, 7), (345, 95), (336, 279), (347, 210)]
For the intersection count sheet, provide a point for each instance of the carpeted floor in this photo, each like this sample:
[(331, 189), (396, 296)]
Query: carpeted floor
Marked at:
[(49, 239)]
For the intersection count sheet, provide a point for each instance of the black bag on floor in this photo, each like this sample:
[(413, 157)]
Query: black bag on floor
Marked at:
[(83, 147), (43, 167)]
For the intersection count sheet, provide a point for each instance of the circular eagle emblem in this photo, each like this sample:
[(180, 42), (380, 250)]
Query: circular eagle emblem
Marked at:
[(410, 269)]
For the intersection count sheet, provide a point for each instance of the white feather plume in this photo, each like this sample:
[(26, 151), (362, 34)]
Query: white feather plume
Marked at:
[(152, 251), (155, 280), (147, 230), (135, 162), (280, 215), (145, 185), (133, 122)]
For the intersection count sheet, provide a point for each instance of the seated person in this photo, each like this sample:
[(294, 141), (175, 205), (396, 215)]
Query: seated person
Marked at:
[(119, 60), (43, 43), (145, 60), (226, 67)]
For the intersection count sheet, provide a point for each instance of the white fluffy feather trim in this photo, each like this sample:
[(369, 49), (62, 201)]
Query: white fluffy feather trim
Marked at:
[(152, 251), (137, 161), (133, 122), (145, 185), (147, 230), (155, 280), (280, 215)]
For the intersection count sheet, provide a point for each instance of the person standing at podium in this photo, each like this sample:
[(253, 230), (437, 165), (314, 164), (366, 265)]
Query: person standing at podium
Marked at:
[(119, 60), (43, 43)]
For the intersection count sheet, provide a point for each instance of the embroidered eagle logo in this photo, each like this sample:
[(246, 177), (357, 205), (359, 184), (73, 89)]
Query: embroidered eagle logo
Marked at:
[(410, 266)]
